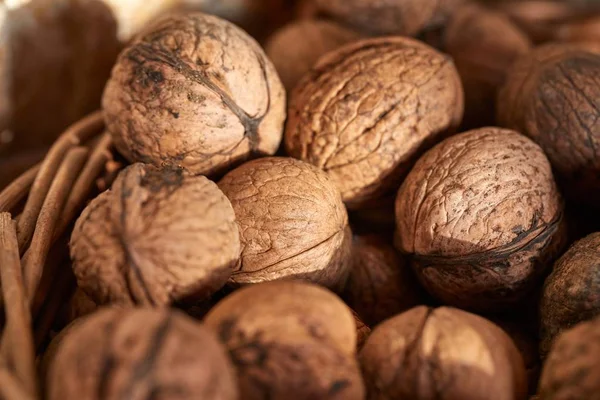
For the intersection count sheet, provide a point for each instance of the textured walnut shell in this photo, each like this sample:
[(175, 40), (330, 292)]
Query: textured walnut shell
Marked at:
[(442, 354), (196, 92), (367, 110), (572, 368), (483, 44), (296, 47), (292, 222), (381, 283), (140, 353), (550, 95), (480, 217), (362, 331), (156, 237), (570, 293), (289, 340)]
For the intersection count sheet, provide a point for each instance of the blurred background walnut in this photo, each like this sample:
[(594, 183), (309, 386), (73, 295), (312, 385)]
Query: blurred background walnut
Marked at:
[(442, 353), (155, 238), (481, 218)]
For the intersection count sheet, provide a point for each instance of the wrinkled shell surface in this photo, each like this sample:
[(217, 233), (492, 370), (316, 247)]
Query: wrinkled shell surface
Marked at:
[(571, 292), (483, 44), (154, 238), (289, 340), (140, 354), (480, 215), (295, 48), (195, 92), (572, 369), (441, 354), (381, 283), (551, 95), (367, 110), (292, 222)]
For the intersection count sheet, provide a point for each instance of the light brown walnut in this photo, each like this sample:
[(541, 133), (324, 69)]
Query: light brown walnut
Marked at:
[(551, 95), (366, 111), (196, 92), (293, 224), (296, 47), (140, 354), (442, 354), (289, 340), (156, 237), (481, 218)]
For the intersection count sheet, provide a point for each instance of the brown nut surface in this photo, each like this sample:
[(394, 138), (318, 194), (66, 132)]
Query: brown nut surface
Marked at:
[(289, 340), (551, 96), (481, 217), (571, 292), (362, 331), (366, 111), (293, 224), (196, 92), (156, 237), (443, 354), (483, 44), (140, 354), (381, 283), (572, 369), (296, 47)]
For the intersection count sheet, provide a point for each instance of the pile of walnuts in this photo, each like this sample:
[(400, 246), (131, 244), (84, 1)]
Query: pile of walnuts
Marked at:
[(461, 138)]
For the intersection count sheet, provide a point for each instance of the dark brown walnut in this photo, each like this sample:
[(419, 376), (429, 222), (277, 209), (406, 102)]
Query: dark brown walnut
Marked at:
[(140, 354), (55, 58), (196, 92), (296, 47), (572, 369), (442, 354), (367, 110), (570, 293), (551, 96), (79, 306), (481, 218), (158, 236), (362, 331), (484, 44), (293, 224), (289, 340), (381, 283)]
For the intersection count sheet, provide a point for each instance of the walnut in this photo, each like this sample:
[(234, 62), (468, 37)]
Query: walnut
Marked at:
[(295, 48), (481, 217), (55, 58), (109, 355), (289, 340), (293, 224), (550, 96), (483, 44), (156, 237), (572, 369), (367, 110), (362, 331), (442, 353), (580, 30), (381, 283), (196, 92), (571, 292), (79, 306)]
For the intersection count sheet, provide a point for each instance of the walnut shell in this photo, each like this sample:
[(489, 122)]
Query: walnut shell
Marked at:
[(367, 110), (442, 353), (550, 96), (480, 217), (196, 92), (381, 283), (79, 306), (140, 353), (570, 293), (289, 340), (483, 44), (156, 237), (572, 368), (293, 224), (362, 331), (296, 47)]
